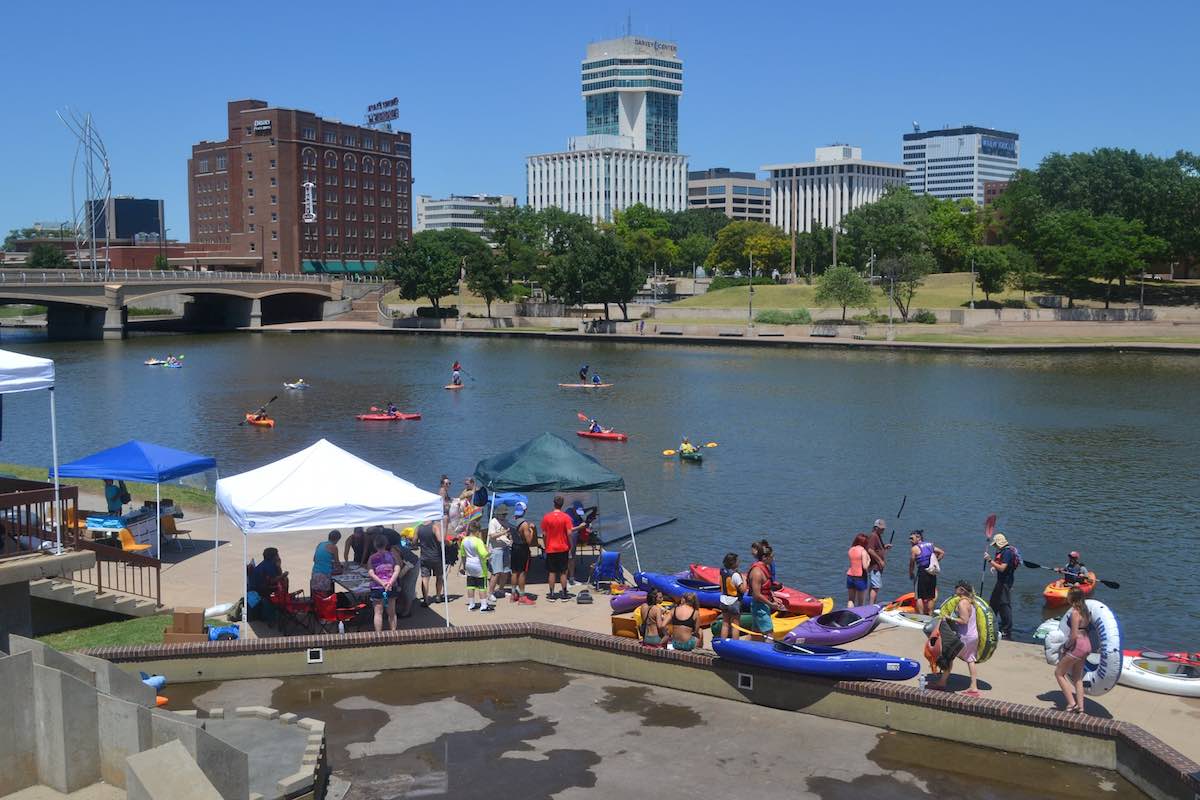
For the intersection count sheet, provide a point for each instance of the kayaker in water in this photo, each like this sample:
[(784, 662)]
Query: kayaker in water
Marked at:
[(456, 377), (391, 409), (762, 601), (686, 633), (583, 373), (964, 621), (1074, 573), (919, 559), (1069, 671), (594, 427), (261, 413), (686, 446), (733, 586)]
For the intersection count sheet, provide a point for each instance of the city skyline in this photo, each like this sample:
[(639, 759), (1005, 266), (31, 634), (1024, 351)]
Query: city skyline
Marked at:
[(1057, 89)]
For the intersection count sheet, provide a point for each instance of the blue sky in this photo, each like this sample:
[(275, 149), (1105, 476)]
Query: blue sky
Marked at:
[(481, 85)]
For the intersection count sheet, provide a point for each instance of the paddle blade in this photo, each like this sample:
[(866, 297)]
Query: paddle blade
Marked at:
[(712, 444), (989, 526), (582, 416), (1110, 584), (668, 452)]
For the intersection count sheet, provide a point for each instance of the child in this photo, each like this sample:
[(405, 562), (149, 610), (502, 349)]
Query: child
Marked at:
[(474, 556), (733, 586)]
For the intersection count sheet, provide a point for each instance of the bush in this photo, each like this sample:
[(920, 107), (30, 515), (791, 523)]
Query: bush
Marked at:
[(726, 283), (923, 316), (437, 313), (871, 316), (519, 291), (1013, 302), (774, 316)]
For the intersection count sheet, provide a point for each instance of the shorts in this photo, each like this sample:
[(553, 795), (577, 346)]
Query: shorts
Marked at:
[(476, 582), (760, 618), (556, 562), (690, 644), (573, 540), (858, 584), (430, 569), (876, 577), (652, 639), (731, 607), (377, 594), (519, 560), (500, 559), (926, 585)]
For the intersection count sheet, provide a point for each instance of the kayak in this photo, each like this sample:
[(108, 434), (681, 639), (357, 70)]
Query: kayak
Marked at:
[(830, 662), (708, 594), (782, 625), (902, 613), (164, 364), (695, 456), (386, 417), (154, 362), (837, 627), (584, 385), (455, 386), (1160, 672), (797, 601), (1055, 593), (611, 436), (287, 385), (261, 423)]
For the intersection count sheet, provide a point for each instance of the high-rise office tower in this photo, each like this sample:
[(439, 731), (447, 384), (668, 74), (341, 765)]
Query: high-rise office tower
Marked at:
[(631, 87)]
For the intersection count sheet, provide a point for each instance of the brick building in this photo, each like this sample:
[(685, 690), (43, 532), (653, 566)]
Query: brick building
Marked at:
[(247, 193)]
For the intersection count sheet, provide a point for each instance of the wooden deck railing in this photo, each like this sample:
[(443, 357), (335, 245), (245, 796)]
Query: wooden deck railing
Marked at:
[(118, 571)]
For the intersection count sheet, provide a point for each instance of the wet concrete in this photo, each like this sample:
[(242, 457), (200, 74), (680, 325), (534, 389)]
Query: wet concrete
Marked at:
[(537, 732)]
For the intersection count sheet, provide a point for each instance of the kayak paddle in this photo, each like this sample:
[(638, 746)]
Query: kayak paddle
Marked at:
[(711, 444), (583, 417), (669, 453), (1035, 565), (898, 513), (989, 527), (263, 406)]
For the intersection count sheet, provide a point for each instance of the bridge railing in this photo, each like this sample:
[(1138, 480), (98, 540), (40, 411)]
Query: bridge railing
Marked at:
[(38, 277)]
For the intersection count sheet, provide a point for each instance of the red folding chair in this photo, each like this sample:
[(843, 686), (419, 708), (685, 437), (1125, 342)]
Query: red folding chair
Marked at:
[(328, 615), (292, 608)]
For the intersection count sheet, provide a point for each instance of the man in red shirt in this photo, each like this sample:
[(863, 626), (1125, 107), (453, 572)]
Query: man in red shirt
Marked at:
[(556, 530)]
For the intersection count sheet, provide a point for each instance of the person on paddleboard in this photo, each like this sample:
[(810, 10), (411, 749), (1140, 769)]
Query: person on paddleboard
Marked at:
[(583, 373), (456, 377), (1074, 572), (596, 379)]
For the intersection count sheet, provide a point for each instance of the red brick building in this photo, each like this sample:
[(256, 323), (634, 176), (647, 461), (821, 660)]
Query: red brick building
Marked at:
[(247, 194)]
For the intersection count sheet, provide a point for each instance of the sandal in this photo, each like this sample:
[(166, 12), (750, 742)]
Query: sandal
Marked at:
[(972, 693)]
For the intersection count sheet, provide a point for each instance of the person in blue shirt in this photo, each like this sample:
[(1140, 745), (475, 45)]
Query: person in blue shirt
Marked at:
[(1074, 573), (392, 409), (112, 496), (265, 577), (596, 379), (583, 373)]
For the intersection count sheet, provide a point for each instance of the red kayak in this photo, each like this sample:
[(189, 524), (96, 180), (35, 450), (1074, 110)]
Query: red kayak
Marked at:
[(386, 417), (1183, 658), (796, 600), (611, 436)]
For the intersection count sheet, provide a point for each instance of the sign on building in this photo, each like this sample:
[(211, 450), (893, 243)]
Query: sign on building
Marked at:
[(310, 202), (383, 111), (262, 127)]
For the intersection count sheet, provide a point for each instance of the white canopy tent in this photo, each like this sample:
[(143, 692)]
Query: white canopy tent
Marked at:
[(22, 373), (322, 486)]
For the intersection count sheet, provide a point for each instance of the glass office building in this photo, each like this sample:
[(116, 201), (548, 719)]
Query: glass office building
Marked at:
[(632, 87)]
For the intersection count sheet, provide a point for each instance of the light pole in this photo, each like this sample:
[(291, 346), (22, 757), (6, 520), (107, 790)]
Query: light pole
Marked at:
[(750, 296), (1142, 293), (972, 283), (891, 334)]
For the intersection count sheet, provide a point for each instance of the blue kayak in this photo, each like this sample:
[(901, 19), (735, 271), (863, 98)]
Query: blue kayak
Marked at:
[(674, 587), (827, 662)]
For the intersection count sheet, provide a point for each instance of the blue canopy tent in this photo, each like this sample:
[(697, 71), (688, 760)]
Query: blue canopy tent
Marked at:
[(143, 462)]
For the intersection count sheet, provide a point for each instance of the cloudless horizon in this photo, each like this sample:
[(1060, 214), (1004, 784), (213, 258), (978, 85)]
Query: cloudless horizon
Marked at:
[(481, 86)]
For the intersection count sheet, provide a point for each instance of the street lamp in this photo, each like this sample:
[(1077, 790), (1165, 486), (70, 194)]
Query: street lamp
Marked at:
[(750, 296), (972, 283)]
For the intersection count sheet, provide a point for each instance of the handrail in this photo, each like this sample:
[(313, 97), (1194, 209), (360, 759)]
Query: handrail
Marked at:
[(25, 277), (128, 573)]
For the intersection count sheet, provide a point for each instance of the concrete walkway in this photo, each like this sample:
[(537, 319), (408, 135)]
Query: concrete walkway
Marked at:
[(1017, 672)]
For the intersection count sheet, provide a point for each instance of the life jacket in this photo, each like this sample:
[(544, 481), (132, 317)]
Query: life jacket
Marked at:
[(766, 584), (728, 587), (924, 551)]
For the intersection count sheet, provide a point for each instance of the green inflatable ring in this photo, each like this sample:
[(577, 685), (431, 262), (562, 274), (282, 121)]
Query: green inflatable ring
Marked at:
[(985, 623)]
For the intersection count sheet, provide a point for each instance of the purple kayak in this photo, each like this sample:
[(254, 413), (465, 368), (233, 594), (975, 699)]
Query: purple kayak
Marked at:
[(837, 627), (626, 601)]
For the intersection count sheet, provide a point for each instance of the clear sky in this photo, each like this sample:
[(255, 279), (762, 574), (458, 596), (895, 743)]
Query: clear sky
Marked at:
[(483, 84)]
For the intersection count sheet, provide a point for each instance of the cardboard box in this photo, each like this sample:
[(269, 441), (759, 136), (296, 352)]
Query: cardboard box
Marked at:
[(188, 620), (171, 637)]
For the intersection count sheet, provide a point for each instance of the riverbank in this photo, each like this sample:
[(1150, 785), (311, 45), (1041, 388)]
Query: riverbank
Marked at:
[(91, 491)]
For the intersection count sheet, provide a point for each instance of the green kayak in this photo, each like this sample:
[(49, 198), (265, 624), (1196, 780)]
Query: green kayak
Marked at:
[(696, 456)]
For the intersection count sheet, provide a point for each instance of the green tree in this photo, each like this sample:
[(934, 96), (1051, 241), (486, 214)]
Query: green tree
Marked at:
[(47, 256), (954, 228), (515, 233), (770, 249), (843, 286), (559, 231), (895, 225), (424, 266), (706, 221), (1023, 273), (1122, 248), (160, 262), (729, 252), (991, 269), (693, 250), (1061, 244), (905, 274), (651, 250), (487, 278), (640, 217), (616, 276)]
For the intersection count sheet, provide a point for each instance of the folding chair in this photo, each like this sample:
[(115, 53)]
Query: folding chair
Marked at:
[(169, 530), (292, 608), (328, 615), (129, 544)]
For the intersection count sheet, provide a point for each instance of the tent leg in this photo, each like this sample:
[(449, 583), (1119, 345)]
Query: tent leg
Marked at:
[(245, 588), (216, 533), (158, 552), (445, 580), (58, 512), (636, 558)]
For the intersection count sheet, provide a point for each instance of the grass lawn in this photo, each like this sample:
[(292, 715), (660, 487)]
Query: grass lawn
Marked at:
[(21, 310), (942, 290), (189, 497), (140, 630)]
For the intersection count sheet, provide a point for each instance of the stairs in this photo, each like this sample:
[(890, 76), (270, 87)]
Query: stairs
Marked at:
[(364, 309), (65, 591)]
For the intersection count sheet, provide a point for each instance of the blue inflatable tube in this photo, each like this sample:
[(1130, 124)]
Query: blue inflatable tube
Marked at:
[(825, 662)]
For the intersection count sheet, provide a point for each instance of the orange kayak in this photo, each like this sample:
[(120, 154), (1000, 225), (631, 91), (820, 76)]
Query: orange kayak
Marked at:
[(1055, 592), (261, 423)]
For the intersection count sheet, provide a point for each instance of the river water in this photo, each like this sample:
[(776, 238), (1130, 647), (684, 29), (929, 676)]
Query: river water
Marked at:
[(1087, 452)]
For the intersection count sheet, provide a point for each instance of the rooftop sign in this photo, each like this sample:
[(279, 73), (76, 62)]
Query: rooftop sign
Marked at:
[(383, 111)]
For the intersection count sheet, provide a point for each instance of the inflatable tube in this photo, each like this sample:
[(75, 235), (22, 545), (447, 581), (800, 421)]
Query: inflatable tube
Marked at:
[(837, 627), (611, 436), (1044, 629), (828, 662), (1102, 669), (1055, 593), (1163, 675), (985, 625)]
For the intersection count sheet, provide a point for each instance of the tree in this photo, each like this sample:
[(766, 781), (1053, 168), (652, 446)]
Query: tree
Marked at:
[(991, 269), (514, 230), (1061, 244), (487, 278), (705, 221), (47, 256), (729, 253), (1022, 270), (160, 262), (559, 231), (770, 249), (843, 286), (640, 217), (424, 266), (905, 276), (1121, 248), (693, 250), (895, 225), (649, 249), (616, 275), (954, 227)]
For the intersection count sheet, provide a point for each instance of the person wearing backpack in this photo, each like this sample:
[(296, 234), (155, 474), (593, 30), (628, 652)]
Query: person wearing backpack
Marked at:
[(1005, 563), (924, 564)]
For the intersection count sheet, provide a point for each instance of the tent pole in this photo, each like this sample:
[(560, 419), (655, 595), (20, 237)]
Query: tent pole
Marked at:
[(633, 538), (216, 532), (54, 455), (158, 551), (445, 584), (246, 586)]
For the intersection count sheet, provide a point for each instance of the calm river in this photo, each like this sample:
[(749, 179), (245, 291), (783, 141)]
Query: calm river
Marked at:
[(1072, 452)]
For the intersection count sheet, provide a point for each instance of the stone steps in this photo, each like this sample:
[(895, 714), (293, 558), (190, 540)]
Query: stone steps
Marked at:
[(65, 591)]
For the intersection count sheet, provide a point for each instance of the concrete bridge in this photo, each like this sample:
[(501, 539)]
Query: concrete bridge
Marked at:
[(95, 305)]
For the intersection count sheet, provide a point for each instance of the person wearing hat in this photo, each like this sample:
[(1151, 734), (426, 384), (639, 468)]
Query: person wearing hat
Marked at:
[(1074, 573), (524, 538), (499, 552), (580, 518), (877, 550), (1004, 562)]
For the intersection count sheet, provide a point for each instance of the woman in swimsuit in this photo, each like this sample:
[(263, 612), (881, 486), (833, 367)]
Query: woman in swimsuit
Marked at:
[(654, 624), (1069, 672), (686, 633)]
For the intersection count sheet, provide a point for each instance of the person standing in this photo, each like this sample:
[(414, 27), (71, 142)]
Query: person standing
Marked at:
[(432, 555), (556, 532), (733, 586), (325, 562), (1069, 670), (919, 560), (964, 621), (580, 518), (856, 574), (762, 600), (499, 552), (878, 552), (474, 557), (381, 569), (1005, 562), (358, 544), (112, 497), (524, 538)]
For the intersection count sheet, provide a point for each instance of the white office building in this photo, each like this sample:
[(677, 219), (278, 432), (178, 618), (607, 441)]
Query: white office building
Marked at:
[(822, 191), (457, 211), (955, 163), (631, 89)]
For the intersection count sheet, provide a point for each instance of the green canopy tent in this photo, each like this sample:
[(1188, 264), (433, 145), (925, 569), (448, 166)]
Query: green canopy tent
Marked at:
[(549, 463)]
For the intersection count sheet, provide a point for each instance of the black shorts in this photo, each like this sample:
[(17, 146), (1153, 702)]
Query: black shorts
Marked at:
[(556, 562), (519, 562), (926, 585), (430, 569), (476, 583)]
